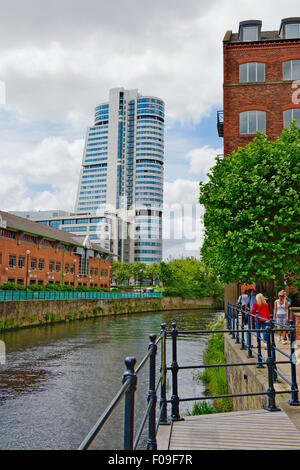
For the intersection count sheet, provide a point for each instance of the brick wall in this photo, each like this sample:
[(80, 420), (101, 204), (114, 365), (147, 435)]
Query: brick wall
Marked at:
[(273, 96), (57, 254)]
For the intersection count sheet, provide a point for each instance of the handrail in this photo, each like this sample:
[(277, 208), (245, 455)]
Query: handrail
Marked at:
[(8, 296), (103, 418), (236, 328), (128, 390)]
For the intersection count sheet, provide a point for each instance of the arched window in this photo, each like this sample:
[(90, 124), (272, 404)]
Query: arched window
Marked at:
[(252, 72), (291, 70), (291, 114), (252, 122)]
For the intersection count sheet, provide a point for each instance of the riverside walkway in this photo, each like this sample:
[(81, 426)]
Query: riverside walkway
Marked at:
[(274, 424), (257, 429)]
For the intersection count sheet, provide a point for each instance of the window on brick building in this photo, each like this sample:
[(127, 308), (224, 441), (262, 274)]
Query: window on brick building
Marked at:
[(291, 70), (250, 30), (12, 261), (57, 266), (252, 72), (291, 114), (292, 31), (41, 264), (67, 268), (33, 263), (0, 257), (252, 122), (290, 28), (21, 262), (51, 266)]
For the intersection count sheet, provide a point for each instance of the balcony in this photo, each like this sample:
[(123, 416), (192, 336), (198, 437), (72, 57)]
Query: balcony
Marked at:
[(220, 123)]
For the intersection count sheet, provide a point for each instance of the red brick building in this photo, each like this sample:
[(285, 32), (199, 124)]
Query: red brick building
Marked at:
[(261, 93), (32, 253)]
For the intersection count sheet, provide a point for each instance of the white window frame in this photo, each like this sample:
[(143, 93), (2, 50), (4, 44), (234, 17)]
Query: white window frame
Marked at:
[(247, 64), (256, 119)]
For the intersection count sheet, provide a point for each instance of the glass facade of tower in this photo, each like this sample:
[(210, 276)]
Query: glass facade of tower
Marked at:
[(123, 167)]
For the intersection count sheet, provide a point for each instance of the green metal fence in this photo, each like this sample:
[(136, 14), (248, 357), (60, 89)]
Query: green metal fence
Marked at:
[(65, 295)]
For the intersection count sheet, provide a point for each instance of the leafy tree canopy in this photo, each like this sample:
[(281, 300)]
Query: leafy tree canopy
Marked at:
[(251, 218)]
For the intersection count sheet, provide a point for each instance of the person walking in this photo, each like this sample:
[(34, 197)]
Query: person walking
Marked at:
[(242, 300), (281, 315), (260, 309)]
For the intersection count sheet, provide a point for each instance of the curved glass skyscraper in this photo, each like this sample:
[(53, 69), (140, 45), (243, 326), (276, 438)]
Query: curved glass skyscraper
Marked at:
[(123, 166)]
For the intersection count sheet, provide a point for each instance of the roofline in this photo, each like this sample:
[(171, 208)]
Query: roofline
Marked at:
[(67, 242)]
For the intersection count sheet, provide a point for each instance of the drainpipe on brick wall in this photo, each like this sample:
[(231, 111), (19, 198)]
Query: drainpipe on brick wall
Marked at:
[(63, 266)]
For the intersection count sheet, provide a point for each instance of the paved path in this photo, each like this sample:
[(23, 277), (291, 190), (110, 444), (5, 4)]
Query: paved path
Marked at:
[(244, 430)]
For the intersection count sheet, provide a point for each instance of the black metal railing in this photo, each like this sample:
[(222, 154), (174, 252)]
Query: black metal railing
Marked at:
[(127, 391), (240, 330), (252, 326)]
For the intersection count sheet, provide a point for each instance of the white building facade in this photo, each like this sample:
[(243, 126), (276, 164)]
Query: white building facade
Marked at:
[(123, 170)]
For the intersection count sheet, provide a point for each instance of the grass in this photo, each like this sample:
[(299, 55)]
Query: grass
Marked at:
[(215, 379), (201, 408)]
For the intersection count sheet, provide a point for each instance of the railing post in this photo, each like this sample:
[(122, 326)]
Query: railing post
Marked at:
[(271, 391), (152, 444), (229, 319), (227, 316), (233, 322), (294, 387), (272, 323), (175, 416), (249, 334), (243, 328), (259, 356), (237, 337), (129, 403), (163, 388)]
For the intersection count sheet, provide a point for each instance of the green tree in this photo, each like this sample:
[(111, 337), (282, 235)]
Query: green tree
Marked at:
[(190, 277), (152, 271), (138, 271), (251, 218)]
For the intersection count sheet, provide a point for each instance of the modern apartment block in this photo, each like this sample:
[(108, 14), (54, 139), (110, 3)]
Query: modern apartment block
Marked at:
[(122, 171), (261, 69), (101, 228)]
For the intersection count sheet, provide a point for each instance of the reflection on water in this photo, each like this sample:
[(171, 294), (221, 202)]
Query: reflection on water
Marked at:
[(58, 379)]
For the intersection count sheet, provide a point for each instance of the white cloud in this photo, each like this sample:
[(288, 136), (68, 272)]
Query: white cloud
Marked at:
[(61, 66), (44, 177), (202, 159)]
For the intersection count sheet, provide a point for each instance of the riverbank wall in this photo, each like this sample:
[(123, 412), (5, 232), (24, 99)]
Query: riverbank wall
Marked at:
[(26, 313)]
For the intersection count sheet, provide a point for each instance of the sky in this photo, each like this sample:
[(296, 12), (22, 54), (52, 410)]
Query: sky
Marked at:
[(59, 59)]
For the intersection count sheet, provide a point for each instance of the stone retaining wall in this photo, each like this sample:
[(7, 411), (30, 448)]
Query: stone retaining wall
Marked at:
[(19, 314), (295, 315)]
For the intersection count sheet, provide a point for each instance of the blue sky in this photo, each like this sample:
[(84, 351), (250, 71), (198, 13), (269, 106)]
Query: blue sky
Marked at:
[(57, 67)]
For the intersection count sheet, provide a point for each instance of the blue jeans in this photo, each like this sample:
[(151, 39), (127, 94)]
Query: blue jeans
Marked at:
[(262, 325)]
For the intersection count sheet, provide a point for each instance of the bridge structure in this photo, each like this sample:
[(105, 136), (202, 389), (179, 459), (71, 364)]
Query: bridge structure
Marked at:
[(271, 427)]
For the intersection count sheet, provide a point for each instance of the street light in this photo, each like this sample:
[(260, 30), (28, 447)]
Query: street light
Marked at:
[(74, 271), (27, 262)]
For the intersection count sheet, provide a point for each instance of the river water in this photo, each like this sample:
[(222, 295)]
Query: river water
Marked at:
[(58, 379)]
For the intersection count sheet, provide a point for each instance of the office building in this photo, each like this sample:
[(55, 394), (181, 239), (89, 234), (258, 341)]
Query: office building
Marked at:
[(122, 171)]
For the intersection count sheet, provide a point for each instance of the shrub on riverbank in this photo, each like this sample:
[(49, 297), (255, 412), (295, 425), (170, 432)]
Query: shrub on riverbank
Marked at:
[(12, 286), (215, 378)]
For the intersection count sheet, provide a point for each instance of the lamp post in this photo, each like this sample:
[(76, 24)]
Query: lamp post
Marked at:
[(74, 272), (27, 265)]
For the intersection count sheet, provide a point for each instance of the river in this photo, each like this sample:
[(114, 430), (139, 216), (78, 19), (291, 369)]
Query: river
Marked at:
[(58, 379)]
